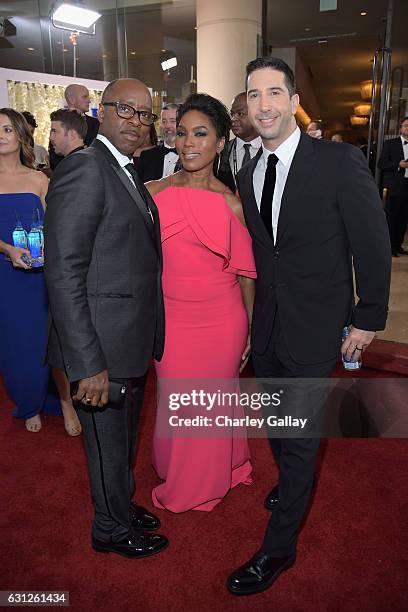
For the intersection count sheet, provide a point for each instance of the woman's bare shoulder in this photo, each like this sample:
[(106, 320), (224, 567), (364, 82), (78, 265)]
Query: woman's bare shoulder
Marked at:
[(235, 205), (154, 187)]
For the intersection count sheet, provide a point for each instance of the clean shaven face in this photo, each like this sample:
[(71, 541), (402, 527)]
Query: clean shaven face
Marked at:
[(271, 109)]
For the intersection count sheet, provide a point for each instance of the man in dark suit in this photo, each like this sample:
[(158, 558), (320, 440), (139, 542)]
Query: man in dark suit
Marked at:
[(310, 206), (394, 163), (241, 149), (103, 272), (162, 160)]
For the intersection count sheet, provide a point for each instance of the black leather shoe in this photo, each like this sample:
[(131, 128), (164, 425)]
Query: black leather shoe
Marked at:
[(272, 498), (134, 545), (258, 574), (402, 251), (143, 519)]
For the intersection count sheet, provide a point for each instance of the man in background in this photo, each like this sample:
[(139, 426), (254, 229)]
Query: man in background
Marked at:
[(68, 131), (162, 160), (243, 147), (394, 163)]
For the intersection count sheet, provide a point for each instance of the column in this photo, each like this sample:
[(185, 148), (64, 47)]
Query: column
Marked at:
[(228, 37)]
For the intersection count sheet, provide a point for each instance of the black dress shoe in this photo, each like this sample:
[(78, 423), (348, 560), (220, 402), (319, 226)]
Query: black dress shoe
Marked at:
[(402, 251), (143, 519), (272, 498), (258, 574), (136, 544)]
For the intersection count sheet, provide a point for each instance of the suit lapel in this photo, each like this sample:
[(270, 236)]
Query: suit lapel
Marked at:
[(301, 170), (246, 180), (128, 185)]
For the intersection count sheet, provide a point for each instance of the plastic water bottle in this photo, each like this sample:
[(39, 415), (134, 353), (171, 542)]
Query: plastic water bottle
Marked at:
[(35, 244), (349, 364), (20, 239)]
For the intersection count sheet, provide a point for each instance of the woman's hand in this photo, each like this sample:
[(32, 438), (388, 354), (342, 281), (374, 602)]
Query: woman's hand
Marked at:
[(246, 353), (15, 254)]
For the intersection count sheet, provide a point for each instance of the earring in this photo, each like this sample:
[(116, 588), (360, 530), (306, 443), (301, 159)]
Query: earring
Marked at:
[(218, 164)]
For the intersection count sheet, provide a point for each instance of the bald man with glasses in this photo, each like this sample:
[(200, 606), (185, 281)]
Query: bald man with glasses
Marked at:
[(103, 271)]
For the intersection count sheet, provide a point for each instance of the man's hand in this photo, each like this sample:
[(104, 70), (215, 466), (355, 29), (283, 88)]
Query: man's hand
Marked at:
[(93, 391), (356, 342), (403, 164)]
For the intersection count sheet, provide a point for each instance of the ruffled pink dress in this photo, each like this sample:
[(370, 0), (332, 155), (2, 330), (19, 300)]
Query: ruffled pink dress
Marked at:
[(205, 247)]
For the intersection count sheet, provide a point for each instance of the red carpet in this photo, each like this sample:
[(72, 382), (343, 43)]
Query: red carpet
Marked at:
[(352, 551)]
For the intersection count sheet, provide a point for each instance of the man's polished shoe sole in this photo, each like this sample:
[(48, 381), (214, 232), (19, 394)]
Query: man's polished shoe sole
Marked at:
[(109, 547), (259, 588)]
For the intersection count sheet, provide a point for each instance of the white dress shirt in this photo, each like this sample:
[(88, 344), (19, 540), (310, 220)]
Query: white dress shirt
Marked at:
[(405, 149), (284, 153), (122, 160), (170, 161), (255, 145)]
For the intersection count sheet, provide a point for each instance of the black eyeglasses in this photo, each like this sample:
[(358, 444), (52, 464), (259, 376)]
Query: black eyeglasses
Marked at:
[(125, 111)]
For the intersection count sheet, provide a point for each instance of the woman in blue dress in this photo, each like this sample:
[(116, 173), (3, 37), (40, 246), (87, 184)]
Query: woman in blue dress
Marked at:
[(23, 303)]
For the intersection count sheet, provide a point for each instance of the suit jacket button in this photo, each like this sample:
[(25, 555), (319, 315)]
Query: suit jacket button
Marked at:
[(276, 254), (68, 366)]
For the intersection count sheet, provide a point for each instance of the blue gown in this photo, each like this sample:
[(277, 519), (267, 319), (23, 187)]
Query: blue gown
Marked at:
[(23, 318)]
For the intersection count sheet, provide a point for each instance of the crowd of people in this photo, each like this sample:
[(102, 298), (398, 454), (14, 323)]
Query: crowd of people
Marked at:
[(195, 251)]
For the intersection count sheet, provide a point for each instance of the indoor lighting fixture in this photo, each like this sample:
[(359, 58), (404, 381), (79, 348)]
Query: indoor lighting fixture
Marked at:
[(366, 88), (358, 120), (169, 63), (74, 15), (363, 13), (362, 110)]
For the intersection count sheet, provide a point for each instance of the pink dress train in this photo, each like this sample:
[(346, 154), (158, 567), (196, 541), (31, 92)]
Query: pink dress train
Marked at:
[(205, 247)]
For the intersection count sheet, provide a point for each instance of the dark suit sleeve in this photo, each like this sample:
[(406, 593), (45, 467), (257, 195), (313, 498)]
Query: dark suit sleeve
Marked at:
[(388, 161), (75, 204), (367, 231)]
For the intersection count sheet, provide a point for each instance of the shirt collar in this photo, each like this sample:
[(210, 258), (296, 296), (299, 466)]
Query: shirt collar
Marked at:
[(256, 143), (403, 140), (122, 160), (286, 149)]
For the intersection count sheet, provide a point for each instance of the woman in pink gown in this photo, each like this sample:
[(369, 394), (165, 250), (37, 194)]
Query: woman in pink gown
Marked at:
[(208, 272)]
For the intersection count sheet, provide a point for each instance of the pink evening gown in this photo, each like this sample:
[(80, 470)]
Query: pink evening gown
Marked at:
[(205, 247)]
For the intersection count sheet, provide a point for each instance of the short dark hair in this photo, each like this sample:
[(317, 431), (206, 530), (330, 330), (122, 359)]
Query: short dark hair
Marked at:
[(170, 106), (403, 120), (71, 120), (29, 117), (276, 64), (215, 110)]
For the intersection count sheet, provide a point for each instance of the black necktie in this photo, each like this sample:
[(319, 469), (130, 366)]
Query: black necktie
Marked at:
[(139, 185), (405, 142), (166, 151), (247, 154), (267, 193)]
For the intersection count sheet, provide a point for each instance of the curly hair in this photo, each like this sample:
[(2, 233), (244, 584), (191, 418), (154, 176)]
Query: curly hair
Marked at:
[(215, 110), (22, 130)]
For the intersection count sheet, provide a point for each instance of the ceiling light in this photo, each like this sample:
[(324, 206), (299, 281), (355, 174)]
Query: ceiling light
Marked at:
[(363, 13), (75, 15), (30, 49), (169, 63), (322, 41), (307, 29), (133, 53)]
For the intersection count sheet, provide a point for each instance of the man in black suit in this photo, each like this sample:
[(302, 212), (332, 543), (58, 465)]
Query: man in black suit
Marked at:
[(162, 160), (241, 149), (103, 272), (67, 132), (310, 206), (394, 163)]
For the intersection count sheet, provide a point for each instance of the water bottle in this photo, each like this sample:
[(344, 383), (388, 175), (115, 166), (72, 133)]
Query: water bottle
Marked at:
[(20, 239), (35, 245), (348, 364)]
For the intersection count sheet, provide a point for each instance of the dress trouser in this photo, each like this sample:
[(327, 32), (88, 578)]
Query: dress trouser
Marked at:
[(295, 457), (397, 209), (110, 443)]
